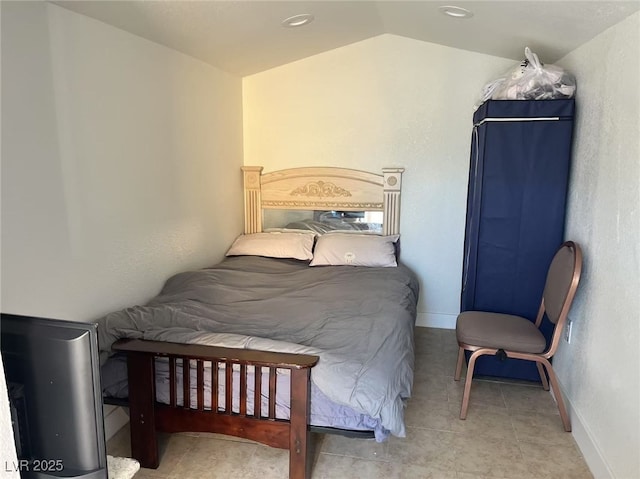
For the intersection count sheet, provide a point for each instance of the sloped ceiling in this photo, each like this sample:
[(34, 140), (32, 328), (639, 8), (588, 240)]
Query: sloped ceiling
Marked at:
[(246, 37)]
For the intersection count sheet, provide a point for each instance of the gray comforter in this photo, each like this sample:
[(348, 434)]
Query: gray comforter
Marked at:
[(358, 320)]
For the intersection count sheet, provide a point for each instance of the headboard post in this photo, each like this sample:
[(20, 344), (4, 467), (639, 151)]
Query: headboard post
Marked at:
[(252, 199), (391, 201)]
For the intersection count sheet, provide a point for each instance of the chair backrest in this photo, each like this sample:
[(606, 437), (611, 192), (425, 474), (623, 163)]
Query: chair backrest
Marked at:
[(560, 288)]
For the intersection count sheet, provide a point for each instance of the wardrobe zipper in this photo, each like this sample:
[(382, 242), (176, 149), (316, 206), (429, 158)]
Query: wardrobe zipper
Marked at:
[(542, 118)]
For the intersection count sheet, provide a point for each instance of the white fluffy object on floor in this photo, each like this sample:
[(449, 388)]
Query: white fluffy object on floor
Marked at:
[(122, 467)]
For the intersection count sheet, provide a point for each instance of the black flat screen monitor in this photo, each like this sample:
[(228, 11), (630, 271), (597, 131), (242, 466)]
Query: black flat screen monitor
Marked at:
[(52, 369)]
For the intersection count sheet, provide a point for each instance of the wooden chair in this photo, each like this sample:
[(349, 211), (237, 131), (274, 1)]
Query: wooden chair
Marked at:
[(517, 337)]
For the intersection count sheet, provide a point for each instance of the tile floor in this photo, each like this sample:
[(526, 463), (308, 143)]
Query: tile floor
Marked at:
[(512, 431)]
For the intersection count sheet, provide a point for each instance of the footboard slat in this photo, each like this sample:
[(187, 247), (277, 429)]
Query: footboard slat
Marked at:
[(228, 388), (214, 385), (272, 392), (172, 382), (186, 383), (257, 392), (149, 417), (243, 389), (200, 384)]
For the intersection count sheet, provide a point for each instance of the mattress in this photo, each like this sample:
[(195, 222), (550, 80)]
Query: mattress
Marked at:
[(359, 321)]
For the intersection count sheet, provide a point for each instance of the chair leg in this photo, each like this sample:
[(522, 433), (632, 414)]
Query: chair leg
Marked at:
[(467, 383), (456, 376), (543, 376), (558, 395)]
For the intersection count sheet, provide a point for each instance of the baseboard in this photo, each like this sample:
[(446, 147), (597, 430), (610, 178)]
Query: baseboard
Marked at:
[(114, 419), (588, 447), (436, 320)]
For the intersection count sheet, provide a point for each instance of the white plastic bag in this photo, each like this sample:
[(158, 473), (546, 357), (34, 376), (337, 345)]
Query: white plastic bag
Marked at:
[(531, 80)]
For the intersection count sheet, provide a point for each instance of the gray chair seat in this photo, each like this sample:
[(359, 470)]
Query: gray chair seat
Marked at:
[(499, 331)]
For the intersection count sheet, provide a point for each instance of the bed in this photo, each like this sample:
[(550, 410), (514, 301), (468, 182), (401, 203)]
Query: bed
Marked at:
[(265, 348)]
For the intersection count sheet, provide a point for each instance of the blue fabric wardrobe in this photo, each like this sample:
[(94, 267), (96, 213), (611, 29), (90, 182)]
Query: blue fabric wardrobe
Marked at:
[(520, 158)]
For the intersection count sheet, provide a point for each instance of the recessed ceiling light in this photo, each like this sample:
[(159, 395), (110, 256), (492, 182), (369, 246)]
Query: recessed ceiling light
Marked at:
[(455, 12), (297, 20)]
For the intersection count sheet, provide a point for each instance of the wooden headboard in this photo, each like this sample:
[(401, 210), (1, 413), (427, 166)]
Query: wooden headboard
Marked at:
[(322, 188)]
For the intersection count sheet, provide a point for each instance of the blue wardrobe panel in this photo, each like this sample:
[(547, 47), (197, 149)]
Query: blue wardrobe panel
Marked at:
[(519, 171)]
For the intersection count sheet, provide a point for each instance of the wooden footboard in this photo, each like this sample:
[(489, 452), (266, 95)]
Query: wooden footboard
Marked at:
[(149, 416)]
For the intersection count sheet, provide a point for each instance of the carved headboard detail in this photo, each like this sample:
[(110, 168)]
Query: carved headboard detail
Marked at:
[(322, 188)]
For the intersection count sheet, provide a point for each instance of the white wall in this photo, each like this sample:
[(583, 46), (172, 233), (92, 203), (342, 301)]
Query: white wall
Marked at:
[(386, 101), (599, 369), (120, 164)]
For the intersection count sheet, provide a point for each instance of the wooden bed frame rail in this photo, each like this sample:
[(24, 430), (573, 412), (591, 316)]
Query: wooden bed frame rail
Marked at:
[(149, 416)]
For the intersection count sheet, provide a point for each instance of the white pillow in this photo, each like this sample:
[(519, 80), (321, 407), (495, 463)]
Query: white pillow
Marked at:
[(355, 250), (274, 245)]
